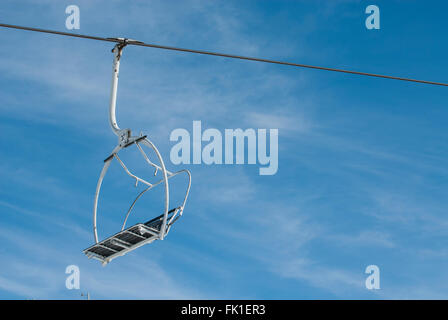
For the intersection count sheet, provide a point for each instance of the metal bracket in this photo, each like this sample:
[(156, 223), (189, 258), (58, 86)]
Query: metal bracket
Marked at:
[(123, 137), (123, 42)]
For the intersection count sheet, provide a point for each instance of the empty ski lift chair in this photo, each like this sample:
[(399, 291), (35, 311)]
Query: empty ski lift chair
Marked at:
[(157, 228)]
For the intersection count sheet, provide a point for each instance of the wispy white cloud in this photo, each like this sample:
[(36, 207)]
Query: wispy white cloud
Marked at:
[(364, 238), (337, 281)]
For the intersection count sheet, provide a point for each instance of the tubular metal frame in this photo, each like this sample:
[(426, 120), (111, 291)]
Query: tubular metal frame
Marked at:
[(125, 139)]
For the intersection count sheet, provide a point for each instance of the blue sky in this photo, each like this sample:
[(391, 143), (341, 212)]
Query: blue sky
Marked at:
[(362, 161)]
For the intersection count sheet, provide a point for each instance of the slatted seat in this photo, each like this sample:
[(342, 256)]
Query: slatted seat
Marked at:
[(130, 238)]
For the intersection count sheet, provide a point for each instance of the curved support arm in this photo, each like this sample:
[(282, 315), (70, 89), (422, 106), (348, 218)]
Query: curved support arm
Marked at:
[(95, 204), (188, 188), (137, 179), (170, 175), (148, 143), (164, 179), (97, 192)]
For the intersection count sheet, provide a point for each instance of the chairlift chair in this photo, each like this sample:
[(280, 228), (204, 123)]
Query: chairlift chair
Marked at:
[(129, 239)]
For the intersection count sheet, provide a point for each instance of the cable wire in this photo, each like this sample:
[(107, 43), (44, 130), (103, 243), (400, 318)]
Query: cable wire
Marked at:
[(232, 56)]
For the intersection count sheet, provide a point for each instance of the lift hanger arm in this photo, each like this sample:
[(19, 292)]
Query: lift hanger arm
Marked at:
[(117, 50)]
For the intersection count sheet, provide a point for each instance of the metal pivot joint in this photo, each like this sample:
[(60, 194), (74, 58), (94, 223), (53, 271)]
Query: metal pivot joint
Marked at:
[(142, 233)]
